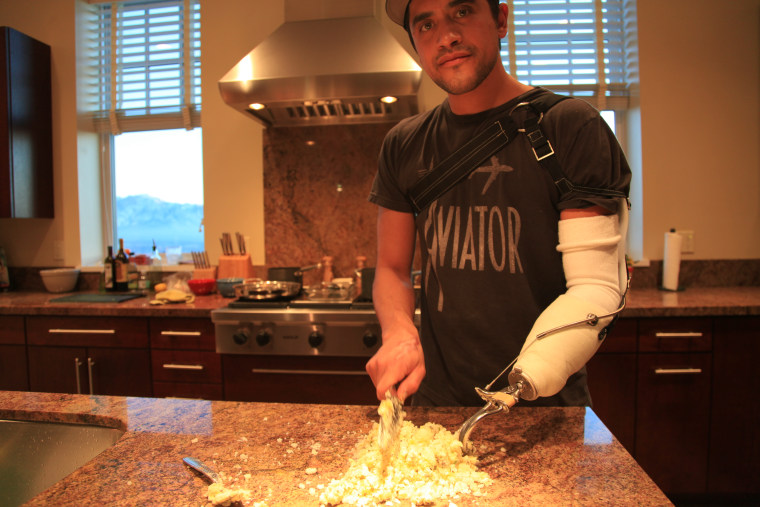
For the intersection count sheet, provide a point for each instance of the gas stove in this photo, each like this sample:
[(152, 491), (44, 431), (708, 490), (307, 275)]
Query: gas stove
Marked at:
[(297, 327)]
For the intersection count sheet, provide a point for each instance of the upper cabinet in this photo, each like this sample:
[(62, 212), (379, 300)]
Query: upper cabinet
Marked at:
[(26, 137)]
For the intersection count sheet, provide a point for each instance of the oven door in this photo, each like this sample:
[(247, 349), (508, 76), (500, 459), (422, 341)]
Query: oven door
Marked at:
[(298, 379)]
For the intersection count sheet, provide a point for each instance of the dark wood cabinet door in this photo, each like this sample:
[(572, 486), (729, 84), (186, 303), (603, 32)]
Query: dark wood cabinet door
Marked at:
[(78, 370), (673, 410), (121, 372), (13, 371), (58, 370), (612, 384), (26, 135), (612, 381), (734, 462)]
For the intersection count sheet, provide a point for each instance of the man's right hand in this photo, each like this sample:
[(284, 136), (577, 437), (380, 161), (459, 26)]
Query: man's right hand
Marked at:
[(398, 361)]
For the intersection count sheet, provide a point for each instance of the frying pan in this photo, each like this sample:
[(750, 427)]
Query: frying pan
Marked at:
[(254, 289)]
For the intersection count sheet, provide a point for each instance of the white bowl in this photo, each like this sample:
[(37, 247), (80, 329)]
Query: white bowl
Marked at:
[(60, 280)]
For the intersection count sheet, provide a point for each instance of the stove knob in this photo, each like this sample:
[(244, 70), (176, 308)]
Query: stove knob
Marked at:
[(264, 337), (316, 338), (241, 336), (369, 339)]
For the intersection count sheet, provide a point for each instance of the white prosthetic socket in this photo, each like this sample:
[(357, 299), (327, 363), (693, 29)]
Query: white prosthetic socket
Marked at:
[(593, 258)]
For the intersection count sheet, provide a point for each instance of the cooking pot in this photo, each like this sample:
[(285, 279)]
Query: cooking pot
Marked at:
[(254, 289)]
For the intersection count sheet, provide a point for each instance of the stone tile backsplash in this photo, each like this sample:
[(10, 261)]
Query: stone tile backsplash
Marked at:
[(316, 184)]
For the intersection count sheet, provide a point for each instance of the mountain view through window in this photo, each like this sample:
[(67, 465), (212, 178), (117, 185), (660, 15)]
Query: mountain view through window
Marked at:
[(159, 190)]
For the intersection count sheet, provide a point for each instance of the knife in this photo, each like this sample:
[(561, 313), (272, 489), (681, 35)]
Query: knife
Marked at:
[(390, 421)]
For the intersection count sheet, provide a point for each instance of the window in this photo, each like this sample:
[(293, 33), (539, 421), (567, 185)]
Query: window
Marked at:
[(585, 48), (146, 104), (159, 190)]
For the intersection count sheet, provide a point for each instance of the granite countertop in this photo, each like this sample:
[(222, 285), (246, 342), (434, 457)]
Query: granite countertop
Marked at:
[(698, 301), (535, 456)]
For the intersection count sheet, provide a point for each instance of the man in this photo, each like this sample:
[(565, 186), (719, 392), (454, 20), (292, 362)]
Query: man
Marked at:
[(493, 274)]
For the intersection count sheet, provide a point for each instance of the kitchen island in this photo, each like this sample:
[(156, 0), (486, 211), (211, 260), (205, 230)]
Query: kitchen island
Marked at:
[(535, 456)]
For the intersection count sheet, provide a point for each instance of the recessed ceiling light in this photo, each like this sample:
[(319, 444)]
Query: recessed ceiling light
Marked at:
[(256, 106), (388, 99)]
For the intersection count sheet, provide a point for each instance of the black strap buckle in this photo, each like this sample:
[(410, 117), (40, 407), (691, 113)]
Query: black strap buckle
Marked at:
[(546, 150)]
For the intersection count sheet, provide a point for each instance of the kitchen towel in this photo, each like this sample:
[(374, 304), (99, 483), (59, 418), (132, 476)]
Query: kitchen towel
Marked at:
[(671, 260)]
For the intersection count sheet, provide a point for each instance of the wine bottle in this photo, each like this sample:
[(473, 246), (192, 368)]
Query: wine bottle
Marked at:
[(108, 271), (121, 283)]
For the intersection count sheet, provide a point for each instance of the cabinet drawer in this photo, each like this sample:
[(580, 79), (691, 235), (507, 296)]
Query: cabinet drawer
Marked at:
[(296, 379), (12, 330), (675, 335), (88, 331), (186, 366), (182, 333)]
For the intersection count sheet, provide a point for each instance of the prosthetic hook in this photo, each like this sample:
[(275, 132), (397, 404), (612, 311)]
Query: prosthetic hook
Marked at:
[(496, 401)]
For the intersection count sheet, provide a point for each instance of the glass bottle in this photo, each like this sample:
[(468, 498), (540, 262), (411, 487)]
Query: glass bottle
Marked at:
[(108, 271), (120, 269)]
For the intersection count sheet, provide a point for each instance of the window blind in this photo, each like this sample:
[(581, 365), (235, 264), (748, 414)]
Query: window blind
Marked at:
[(585, 48), (147, 59)]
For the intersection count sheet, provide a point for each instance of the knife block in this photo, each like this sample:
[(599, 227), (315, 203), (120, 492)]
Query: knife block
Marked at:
[(235, 266), (201, 273)]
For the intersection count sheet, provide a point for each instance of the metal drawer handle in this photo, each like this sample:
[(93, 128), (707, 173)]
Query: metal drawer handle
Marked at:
[(677, 371), (309, 372), (82, 331), (194, 367), (687, 334), (77, 364), (90, 364), (180, 333)]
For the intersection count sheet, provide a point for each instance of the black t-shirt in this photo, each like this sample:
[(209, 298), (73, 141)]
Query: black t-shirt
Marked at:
[(488, 246)]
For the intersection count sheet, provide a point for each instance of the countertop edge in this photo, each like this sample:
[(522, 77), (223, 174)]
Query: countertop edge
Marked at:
[(694, 302)]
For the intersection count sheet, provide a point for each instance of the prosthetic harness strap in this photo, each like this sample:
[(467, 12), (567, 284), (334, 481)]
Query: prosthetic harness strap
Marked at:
[(477, 150)]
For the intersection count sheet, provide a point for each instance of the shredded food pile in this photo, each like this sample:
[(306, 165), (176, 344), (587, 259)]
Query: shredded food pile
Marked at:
[(423, 465), (218, 494)]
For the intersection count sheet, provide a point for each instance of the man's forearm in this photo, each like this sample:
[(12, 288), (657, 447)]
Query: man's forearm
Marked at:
[(393, 298)]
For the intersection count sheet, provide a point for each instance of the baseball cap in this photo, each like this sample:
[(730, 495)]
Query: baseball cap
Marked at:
[(396, 10)]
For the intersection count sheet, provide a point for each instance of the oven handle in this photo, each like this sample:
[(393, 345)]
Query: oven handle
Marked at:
[(309, 372)]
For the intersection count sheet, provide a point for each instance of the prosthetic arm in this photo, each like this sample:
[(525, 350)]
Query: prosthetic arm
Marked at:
[(571, 329)]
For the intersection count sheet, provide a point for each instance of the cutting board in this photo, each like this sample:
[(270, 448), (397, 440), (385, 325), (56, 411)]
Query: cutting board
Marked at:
[(95, 298)]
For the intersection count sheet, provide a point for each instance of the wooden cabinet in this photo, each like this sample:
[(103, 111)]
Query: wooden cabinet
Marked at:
[(26, 140), (297, 379), (673, 403), (13, 370), (183, 357), (734, 464), (89, 355), (612, 381)]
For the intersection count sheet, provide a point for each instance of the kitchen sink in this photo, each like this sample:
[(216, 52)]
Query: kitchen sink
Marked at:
[(35, 455)]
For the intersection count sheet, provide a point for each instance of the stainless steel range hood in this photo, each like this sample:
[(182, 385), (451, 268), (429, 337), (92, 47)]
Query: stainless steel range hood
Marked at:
[(325, 72)]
